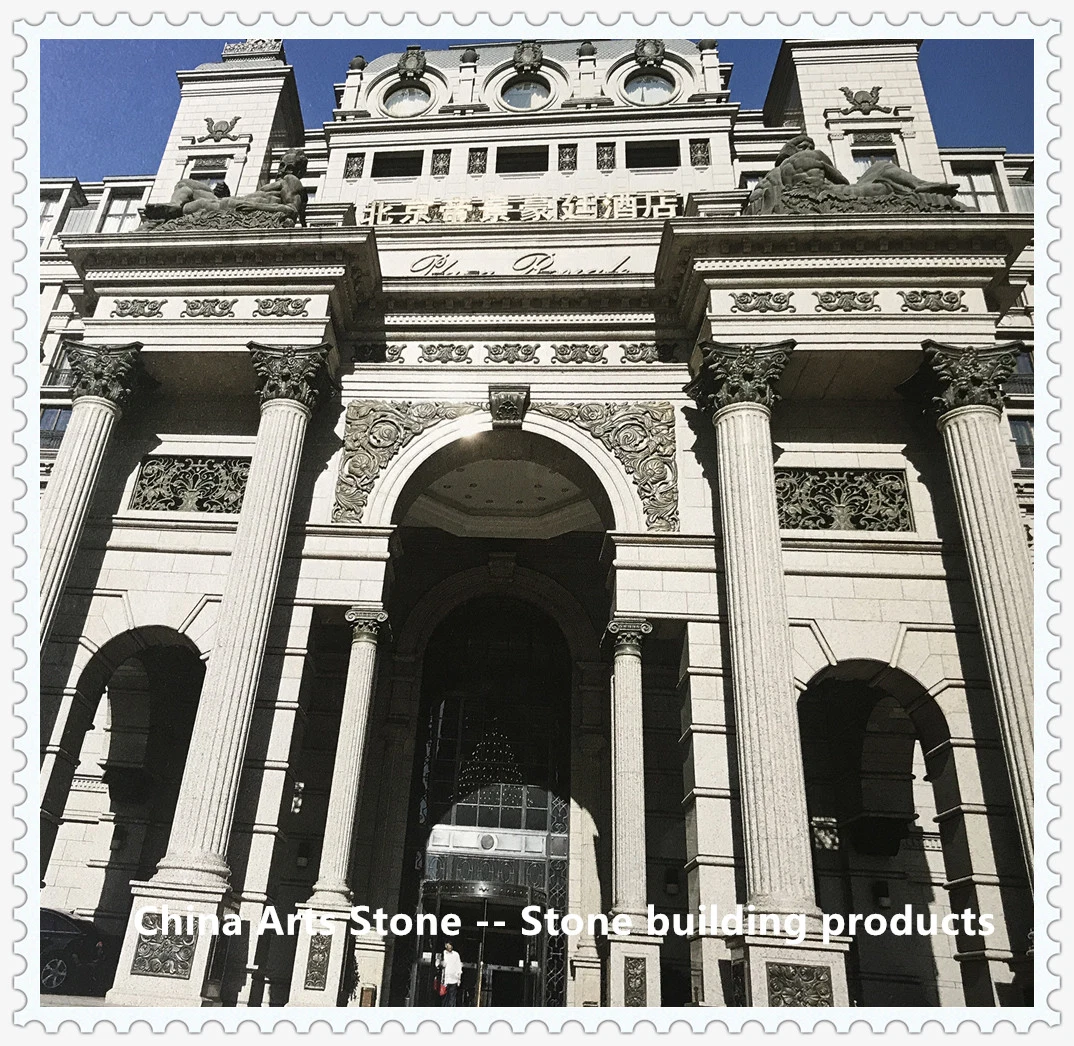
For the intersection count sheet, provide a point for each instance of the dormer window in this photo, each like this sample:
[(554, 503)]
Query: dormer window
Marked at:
[(526, 93), (407, 100), (649, 88)]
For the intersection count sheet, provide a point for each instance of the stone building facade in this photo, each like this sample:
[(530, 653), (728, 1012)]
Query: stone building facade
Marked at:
[(535, 522)]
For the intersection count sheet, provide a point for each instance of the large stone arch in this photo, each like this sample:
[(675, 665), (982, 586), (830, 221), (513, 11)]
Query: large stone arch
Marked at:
[(623, 496)]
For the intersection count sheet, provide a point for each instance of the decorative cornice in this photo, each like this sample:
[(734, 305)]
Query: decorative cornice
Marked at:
[(366, 620), (628, 631), (952, 377), (727, 374), (291, 372), (111, 372)]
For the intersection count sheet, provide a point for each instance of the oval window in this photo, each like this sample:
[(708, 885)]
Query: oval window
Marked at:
[(526, 94), (408, 100), (649, 89)]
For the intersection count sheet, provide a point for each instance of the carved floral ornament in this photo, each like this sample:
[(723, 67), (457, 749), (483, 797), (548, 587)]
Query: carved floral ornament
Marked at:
[(794, 984), (317, 962), (843, 499), (762, 301), (138, 308), (641, 436), (111, 372), (190, 483), (728, 374), (291, 372)]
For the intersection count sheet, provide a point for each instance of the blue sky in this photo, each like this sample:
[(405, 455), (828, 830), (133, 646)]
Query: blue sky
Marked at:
[(117, 121)]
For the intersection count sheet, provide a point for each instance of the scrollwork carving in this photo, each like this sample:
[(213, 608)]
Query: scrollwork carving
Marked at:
[(795, 984), (377, 430), (209, 308), (282, 307), (445, 353), (511, 353), (846, 301), (843, 499), (932, 301), (139, 308), (647, 352), (642, 437), (177, 483), (159, 954), (762, 301), (578, 354)]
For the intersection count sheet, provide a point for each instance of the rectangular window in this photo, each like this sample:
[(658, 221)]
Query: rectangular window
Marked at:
[(122, 213), (50, 207), (1022, 430), (522, 159), (1021, 381), (865, 158), (749, 179), (441, 161), (53, 425), (478, 161), (652, 154), (397, 165), (977, 186)]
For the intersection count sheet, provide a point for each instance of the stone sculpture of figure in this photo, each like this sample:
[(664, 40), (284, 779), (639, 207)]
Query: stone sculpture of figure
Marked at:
[(804, 170), (284, 195)]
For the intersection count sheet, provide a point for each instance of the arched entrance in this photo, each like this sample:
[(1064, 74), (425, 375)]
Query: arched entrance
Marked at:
[(490, 801)]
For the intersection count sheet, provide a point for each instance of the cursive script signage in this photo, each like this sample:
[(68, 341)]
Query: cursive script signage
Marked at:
[(613, 206), (532, 263)]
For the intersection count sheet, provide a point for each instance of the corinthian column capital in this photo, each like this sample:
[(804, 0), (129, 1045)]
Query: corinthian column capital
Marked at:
[(291, 372), (366, 621), (728, 374), (954, 377), (109, 372)]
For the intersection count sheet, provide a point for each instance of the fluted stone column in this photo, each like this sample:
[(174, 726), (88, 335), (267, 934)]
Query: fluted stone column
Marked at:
[(320, 966), (736, 386), (194, 871), (105, 380), (966, 390), (634, 974)]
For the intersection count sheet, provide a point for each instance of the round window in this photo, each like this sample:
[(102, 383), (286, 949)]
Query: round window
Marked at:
[(408, 100), (526, 94), (649, 89)]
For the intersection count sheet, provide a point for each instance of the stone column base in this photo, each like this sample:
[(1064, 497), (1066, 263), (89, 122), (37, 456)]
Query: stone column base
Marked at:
[(583, 989), (317, 977), (634, 970), (775, 971), (172, 968), (369, 955)]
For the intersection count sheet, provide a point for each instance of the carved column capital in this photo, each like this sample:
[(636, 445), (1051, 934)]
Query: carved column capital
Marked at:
[(291, 372), (109, 372), (954, 377), (727, 374), (628, 631), (367, 622)]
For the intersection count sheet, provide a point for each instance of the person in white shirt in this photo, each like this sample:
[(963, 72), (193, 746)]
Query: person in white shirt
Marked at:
[(451, 974)]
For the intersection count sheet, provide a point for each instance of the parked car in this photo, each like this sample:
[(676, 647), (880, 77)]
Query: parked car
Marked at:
[(75, 954)]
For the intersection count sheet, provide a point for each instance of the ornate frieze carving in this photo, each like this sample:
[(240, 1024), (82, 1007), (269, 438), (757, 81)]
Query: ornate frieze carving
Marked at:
[(628, 631), (353, 166), (700, 152), (846, 301), (317, 962), (864, 102), (872, 138), (291, 372), (843, 499), (762, 301), (649, 53), (508, 404), (189, 483), (441, 161), (445, 352), (109, 371), (477, 162), (642, 437), (568, 157), (377, 430), (529, 56), (220, 129), (282, 307), (252, 47), (606, 156), (411, 64), (139, 308), (795, 984), (932, 301), (585, 353), (954, 377), (647, 352), (160, 954), (634, 981), (513, 352), (366, 620), (377, 352), (727, 374), (209, 308)]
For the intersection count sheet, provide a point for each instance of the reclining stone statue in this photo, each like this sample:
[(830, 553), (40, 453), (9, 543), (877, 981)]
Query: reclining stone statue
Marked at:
[(278, 203), (805, 181)]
